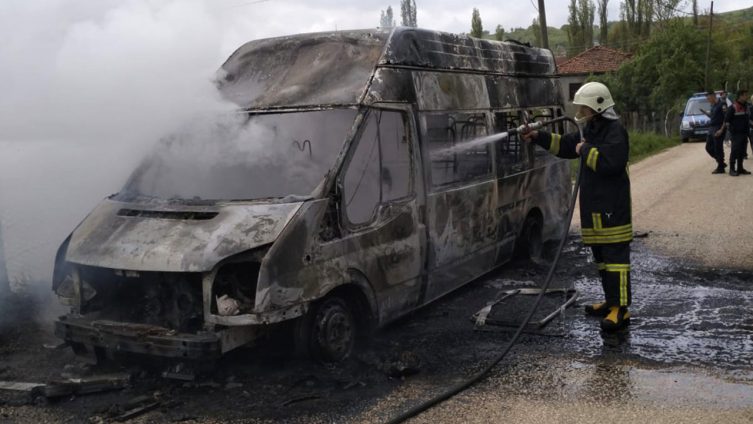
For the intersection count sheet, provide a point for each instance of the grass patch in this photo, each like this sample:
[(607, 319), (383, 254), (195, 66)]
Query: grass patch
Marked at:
[(642, 145)]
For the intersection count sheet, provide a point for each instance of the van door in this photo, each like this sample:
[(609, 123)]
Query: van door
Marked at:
[(461, 200), (380, 202)]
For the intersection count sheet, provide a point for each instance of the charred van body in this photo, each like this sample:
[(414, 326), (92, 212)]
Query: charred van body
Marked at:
[(363, 209)]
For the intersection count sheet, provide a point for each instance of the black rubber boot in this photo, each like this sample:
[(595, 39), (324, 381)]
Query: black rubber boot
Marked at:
[(739, 168), (597, 309), (617, 318)]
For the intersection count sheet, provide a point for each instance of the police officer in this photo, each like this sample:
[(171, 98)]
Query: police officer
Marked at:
[(715, 137), (605, 210), (738, 122)]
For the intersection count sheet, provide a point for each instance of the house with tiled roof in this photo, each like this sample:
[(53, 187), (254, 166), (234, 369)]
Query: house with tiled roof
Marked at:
[(595, 61)]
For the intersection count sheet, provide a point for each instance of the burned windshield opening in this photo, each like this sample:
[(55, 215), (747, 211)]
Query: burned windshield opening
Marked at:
[(243, 156)]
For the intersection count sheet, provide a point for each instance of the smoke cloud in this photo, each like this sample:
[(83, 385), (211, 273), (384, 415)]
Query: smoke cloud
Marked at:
[(87, 88)]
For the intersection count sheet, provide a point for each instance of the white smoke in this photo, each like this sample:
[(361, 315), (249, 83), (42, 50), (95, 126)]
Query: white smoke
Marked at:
[(86, 88)]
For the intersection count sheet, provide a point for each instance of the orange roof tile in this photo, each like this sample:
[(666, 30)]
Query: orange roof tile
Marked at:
[(596, 60)]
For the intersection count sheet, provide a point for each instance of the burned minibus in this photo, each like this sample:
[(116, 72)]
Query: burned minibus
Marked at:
[(356, 187)]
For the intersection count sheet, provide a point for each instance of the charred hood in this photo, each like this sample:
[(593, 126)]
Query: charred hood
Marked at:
[(174, 238)]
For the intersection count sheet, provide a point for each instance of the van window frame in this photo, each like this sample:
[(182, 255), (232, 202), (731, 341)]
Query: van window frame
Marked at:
[(491, 173), (530, 155), (409, 131)]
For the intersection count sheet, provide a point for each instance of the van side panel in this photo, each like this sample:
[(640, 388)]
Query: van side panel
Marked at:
[(391, 85), (507, 92), (450, 91), (462, 235)]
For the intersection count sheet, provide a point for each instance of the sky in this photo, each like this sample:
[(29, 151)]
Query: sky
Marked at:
[(87, 86)]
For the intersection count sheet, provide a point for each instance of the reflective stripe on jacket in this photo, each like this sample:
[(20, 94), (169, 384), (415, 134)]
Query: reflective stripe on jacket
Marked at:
[(605, 206)]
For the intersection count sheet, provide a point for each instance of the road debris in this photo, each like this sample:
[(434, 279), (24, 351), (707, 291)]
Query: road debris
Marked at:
[(180, 371), (31, 392), (55, 346), (402, 365)]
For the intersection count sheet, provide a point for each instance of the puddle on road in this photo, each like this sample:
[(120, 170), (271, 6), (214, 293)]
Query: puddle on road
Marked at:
[(685, 388), (680, 314), (615, 381)]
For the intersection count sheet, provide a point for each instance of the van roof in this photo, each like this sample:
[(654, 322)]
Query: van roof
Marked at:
[(336, 68)]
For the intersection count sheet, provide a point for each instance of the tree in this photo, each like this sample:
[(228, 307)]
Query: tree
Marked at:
[(387, 20), (536, 28), (580, 25), (667, 68), (695, 12), (664, 10), (641, 17), (408, 13), (638, 15), (499, 33), (477, 29), (603, 23)]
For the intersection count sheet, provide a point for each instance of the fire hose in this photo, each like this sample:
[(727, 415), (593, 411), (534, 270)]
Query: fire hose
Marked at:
[(463, 385)]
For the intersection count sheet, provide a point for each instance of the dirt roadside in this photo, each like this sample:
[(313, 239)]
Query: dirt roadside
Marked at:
[(689, 213)]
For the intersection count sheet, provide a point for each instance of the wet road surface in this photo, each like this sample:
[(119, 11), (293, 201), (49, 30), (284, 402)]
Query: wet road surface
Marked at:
[(687, 357)]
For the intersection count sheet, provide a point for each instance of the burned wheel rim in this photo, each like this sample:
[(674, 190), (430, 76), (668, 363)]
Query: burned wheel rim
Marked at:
[(334, 330)]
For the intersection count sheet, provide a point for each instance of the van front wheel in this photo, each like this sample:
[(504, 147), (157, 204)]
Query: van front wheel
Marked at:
[(328, 331)]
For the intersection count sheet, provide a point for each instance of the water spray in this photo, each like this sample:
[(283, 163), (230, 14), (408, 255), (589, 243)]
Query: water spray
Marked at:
[(452, 391), (502, 136)]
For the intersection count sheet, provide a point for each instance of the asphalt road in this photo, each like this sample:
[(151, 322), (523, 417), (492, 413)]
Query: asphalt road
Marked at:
[(690, 213), (687, 357)]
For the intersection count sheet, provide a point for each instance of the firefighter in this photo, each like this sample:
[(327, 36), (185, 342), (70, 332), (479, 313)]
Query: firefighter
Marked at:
[(605, 207), (738, 122)]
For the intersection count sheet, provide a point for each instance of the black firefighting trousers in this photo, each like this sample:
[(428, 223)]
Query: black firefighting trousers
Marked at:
[(613, 262)]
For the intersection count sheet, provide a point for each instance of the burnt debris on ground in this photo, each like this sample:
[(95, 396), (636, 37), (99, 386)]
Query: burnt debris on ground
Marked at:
[(683, 316)]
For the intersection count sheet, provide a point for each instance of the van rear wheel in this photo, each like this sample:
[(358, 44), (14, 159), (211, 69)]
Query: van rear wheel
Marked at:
[(328, 331), (530, 243)]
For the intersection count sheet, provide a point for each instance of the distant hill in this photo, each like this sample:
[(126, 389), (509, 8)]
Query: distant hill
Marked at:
[(736, 16), (558, 37)]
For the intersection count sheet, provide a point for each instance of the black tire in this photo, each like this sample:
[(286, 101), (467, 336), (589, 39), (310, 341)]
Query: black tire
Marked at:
[(684, 140), (328, 331), (530, 243)]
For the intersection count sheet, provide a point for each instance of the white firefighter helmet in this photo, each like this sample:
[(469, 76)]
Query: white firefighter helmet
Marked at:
[(594, 95)]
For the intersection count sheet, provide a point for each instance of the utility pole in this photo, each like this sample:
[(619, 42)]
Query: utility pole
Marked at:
[(4, 283), (542, 24), (708, 49)]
